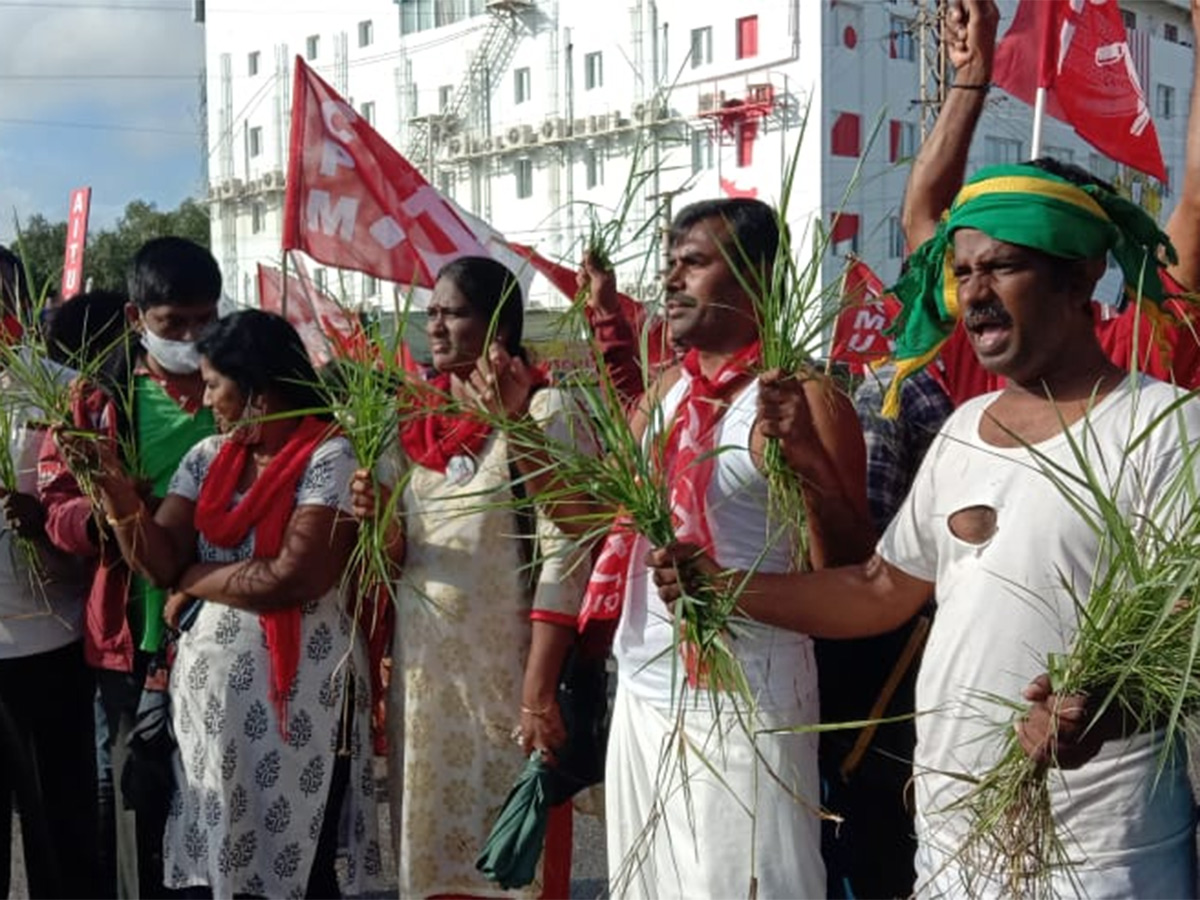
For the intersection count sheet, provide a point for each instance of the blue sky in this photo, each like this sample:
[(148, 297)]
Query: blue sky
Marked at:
[(95, 94)]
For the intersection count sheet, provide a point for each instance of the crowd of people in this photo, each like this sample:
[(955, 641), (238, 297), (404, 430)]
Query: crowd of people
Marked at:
[(194, 529)]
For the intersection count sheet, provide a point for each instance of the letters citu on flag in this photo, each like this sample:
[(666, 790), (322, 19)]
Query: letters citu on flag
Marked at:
[(1079, 51)]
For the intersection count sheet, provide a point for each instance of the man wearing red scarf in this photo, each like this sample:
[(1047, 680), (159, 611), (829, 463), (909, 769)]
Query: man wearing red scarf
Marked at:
[(736, 811)]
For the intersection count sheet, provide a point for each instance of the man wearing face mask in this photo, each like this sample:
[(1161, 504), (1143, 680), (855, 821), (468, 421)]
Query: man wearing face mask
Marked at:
[(149, 400)]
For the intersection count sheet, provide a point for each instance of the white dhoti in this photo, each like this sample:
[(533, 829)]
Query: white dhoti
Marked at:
[(713, 809)]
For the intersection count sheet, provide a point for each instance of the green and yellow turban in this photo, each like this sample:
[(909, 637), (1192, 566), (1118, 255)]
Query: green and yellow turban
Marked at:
[(1019, 204)]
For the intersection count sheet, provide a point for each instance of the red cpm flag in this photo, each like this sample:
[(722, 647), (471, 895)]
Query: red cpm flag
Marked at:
[(1078, 50), (328, 330), (858, 335), (354, 202)]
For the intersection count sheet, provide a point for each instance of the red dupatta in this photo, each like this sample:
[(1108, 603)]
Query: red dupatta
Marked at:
[(266, 508)]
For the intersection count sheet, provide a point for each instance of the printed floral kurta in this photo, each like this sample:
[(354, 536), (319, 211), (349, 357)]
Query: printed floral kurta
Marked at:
[(462, 638), (249, 803)]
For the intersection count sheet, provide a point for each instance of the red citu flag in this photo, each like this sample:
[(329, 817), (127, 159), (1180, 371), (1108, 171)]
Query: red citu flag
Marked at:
[(858, 335), (354, 202), (1078, 50)]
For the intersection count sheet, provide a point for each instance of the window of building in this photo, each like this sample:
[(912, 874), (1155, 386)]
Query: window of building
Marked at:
[(321, 279), (252, 62), (998, 151), (702, 152), (900, 40), (367, 111), (593, 70), (255, 141), (413, 98), (1171, 32), (843, 233), (903, 140), (366, 33), (370, 286), (593, 162), (846, 135), (1102, 167), (445, 97), (524, 174), (522, 85), (747, 37), (1164, 101), (420, 15), (701, 46), (1062, 154), (446, 183), (258, 218), (1129, 17), (895, 238), (312, 46)]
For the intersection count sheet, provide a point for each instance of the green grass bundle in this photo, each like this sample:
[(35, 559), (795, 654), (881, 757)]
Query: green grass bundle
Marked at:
[(1136, 654)]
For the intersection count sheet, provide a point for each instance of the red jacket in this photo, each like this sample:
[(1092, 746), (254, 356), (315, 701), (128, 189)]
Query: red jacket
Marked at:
[(71, 526)]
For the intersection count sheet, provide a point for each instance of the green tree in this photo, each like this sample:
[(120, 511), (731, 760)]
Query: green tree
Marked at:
[(42, 243)]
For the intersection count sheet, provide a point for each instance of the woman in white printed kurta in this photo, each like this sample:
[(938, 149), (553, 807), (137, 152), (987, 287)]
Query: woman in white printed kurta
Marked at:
[(249, 805)]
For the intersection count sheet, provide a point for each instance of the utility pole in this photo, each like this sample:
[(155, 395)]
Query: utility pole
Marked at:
[(931, 60)]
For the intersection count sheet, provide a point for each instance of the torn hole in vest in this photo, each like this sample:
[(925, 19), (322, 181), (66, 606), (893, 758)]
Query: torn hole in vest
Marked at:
[(973, 524)]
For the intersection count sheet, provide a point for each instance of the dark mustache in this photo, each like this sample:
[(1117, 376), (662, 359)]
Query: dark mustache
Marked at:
[(981, 316), (682, 299)]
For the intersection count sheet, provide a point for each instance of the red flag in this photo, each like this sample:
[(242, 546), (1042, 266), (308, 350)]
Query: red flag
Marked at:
[(326, 328), (1078, 50), (858, 336), (354, 202), (658, 348)]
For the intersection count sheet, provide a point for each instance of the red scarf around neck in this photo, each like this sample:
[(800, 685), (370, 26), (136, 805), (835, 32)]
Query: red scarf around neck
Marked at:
[(687, 466), (438, 429), (437, 432), (265, 508)]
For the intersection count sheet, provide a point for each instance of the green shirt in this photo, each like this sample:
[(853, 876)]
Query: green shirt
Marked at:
[(165, 433)]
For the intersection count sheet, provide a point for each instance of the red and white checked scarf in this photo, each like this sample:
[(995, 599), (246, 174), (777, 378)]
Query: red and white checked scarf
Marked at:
[(687, 465)]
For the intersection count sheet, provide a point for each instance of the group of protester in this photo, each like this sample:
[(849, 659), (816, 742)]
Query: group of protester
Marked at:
[(196, 519)]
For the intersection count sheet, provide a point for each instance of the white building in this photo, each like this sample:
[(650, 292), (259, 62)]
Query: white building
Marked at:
[(541, 115)]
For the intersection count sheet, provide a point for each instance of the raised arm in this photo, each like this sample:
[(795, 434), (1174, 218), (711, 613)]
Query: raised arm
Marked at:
[(1184, 225), (941, 163)]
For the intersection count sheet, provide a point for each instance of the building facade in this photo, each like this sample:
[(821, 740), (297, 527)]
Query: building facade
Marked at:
[(547, 118)]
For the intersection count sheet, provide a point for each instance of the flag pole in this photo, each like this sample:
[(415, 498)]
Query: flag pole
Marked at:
[(1039, 117), (283, 298)]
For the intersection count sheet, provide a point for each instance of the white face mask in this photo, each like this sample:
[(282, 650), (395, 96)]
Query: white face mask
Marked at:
[(177, 357)]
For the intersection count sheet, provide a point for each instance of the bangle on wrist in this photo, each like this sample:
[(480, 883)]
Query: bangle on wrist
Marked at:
[(540, 713), (979, 86), (116, 522)]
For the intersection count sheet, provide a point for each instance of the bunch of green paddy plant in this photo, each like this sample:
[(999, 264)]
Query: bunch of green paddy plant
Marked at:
[(1135, 653), (366, 396), (794, 312), (610, 230)]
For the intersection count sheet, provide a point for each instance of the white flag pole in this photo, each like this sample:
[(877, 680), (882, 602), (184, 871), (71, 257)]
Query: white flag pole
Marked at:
[(1039, 116)]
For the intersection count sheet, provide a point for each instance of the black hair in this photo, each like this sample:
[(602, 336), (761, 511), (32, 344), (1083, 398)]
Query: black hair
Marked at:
[(14, 283), (753, 228), (1077, 175), (489, 286), (261, 351), (173, 271), (85, 327)]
